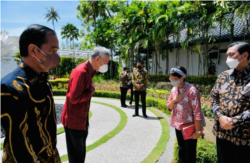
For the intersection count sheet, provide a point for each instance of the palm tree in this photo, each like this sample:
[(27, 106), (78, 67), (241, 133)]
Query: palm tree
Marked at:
[(69, 31), (53, 15)]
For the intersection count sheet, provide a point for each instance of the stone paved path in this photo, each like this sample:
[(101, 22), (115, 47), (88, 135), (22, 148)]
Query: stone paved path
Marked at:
[(131, 145)]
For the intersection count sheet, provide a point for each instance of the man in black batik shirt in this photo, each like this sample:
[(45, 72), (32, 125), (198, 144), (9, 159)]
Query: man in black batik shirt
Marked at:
[(28, 114)]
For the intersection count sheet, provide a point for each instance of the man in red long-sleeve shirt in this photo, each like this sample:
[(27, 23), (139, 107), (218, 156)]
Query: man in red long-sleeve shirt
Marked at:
[(76, 108)]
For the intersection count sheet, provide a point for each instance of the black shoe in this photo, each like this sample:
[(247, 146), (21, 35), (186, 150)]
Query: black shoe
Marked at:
[(134, 115), (145, 116), (123, 106)]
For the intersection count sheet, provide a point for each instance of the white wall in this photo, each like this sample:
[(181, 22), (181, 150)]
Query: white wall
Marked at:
[(193, 61)]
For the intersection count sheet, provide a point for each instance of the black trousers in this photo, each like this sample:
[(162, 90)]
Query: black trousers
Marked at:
[(123, 95), (228, 152), (76, 144), (131, 94), (187, 148), (143, 101)]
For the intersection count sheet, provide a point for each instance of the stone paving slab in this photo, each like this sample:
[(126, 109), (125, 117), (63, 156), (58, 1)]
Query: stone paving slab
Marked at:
[(133, 143), (168, 153), (104, 119)]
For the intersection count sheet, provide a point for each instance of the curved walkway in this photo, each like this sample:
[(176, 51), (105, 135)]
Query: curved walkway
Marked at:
[(132, 144), (100, 125)]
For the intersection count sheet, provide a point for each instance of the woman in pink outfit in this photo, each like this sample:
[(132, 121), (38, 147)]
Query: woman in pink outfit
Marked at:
[(184, 102)]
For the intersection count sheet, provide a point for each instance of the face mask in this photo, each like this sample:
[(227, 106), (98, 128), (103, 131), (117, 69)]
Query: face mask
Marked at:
[(232, 63), (176, 83), (51, 61), (103, 68), (139, 67)]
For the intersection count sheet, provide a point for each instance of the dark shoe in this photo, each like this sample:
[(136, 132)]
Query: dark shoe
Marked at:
[(145, 116), (123, 106), (134, 115), (130, 105)]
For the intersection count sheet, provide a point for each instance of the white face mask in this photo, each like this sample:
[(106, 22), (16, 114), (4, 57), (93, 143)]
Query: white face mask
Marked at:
[(175, 83), (103, 68), (233, 63)]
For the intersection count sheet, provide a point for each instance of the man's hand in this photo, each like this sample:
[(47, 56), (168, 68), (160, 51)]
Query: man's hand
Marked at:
[(226, 123), (179, 98), (195, 135), (138, 86)]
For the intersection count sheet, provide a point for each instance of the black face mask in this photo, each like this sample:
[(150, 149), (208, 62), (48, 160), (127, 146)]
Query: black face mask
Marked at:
[(139, 67)]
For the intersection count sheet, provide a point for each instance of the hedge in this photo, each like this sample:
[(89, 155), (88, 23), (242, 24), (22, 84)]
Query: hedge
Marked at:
[(67, 64), (202, 79), (205, 152), (150, 101)]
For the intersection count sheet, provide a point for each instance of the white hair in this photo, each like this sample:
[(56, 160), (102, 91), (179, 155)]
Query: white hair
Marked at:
[(100, 51)]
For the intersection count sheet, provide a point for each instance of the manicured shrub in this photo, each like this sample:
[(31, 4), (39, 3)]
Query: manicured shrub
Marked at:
[(150, 101), (205, 152), (58, 81)]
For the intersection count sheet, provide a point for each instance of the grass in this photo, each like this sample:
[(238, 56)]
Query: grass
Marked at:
[(156, 153), (1, 146), (108, 136)]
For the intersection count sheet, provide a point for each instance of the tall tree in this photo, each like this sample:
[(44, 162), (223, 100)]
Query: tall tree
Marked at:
[(69, 31), (52, 15)]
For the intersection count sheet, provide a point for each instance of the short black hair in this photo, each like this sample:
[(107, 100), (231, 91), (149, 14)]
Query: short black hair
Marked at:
[(125, 68), (242, 47), (33, 34), (140, 62), (172, 73)]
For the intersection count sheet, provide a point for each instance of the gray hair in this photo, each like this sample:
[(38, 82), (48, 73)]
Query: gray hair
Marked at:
[(100, 51)]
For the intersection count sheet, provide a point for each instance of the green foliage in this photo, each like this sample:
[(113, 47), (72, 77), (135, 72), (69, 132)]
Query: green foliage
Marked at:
[(206, 152), (150, 101), (207, 112), (59, 81), (70, 32), (66, 65), (52, 14), (157, 103)]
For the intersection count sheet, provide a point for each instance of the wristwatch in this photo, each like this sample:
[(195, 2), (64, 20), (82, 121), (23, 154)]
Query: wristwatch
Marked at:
[(198, 131)]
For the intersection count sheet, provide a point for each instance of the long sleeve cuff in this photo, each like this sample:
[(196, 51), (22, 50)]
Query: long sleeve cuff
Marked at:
[(217, 111), (242, 118)]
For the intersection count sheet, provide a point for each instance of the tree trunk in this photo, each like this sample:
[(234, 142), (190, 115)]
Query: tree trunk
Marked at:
[(111, 63), (192, 62), (248, 31), (206, 57), (95, 29), (147, 62), (187, 63), (218, 56), (53, 24), (232, 29), (167, 57), (156, 62)]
